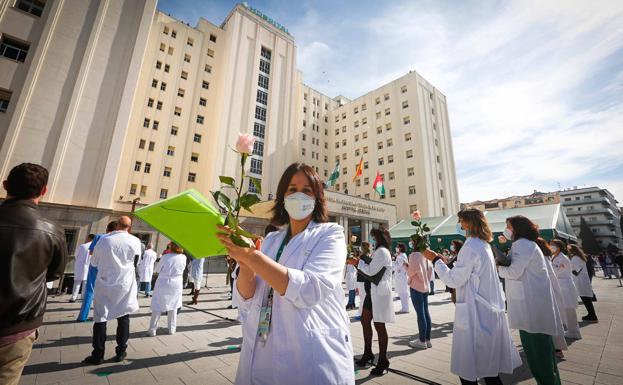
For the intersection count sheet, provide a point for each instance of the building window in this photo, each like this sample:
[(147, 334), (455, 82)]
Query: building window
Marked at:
[(184, 75), (252, 188), (356, 123), (304, 136), (141, 144), (162, 47), (262, 97), (174, 34), (146, 123), (150, 102), (143, 191), (163, 193), (356, 138), (170, 51), (411, 190), (260, 113), (441, 193), (256, 166), (208, 68), (344, 171), (210, 53), (387, 112), (379, 129), (147, 168), (364, 135), (343, 142), (5, 98), (264, 66), (365, 149), (406, 120), (189, 42), (303, 151), (187, 58), (405, 103), (258, 148), (410, 171), (205, 85), (158, 65), (379, 145), (366, 181), (357, 152), (266, 54), (364, 121), (356, 110), (390, 142), (392, 193), (167, 68), (262, 81), (171, 151), (381, 161), (392, 175), (407, 136), (159, 105), (213, 38), (403, 89), (154, 83), (133, 189), (194, 157), (167, 172), (178, 111), (378, 115), (377, 101), (155, 125), (258, 130), (163, 86), (137, 166), (197, 138), (165, 30), (174, 130), (200, 119), (388, 126), (337, 144), (344, 156), (409, 154), (151, 147), (390, 159), (34, 7), (203, 102), (192, 176), (365, 164), (386, 97)]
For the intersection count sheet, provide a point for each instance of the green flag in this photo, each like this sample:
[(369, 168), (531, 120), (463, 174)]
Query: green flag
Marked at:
[(378, 185), (334, 175)]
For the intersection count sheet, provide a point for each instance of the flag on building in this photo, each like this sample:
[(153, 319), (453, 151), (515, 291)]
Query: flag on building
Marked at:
[(358, 169), (334, 175), (378, 185)]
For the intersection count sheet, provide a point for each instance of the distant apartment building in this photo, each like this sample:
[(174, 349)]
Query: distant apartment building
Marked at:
[(535, 199)]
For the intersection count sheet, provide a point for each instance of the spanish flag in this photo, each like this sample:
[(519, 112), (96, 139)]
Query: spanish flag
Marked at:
[(358, 170)]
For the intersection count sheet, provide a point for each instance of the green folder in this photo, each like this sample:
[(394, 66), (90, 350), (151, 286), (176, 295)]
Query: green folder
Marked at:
[(189, 220)]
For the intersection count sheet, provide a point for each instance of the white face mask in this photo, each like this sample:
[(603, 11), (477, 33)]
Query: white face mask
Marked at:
[(397, 250), (299, 205), (452, 248), (554, 249), (411, 245), (508, 234)]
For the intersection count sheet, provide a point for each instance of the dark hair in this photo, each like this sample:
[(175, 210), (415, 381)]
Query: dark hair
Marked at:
[(365, 247), (269, 229), (458, 244), (478, 225), (577, 250), (542, 243), (280, 215), (382, 237), (523, 228), (90, 237), (112, 226), (560, 244), (402, 247), (25, 181)]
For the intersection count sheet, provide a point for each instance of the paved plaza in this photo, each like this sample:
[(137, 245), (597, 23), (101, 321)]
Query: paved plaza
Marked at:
[(205, 349)]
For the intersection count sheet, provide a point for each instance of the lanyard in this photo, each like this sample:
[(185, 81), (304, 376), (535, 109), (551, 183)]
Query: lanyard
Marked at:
[(263, 327)]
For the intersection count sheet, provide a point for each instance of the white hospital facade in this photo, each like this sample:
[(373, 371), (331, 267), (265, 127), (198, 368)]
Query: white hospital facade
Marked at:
[(123, 103)]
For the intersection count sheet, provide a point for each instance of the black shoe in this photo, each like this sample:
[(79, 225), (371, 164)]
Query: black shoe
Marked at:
[(71, 300), (90, 360), (588, 318), (120, 357), (365, 360), (380, 369)]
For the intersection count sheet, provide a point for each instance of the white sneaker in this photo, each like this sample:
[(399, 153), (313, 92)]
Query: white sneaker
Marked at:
[(417, 344), (429, 344), (171, 331), (151, 333)]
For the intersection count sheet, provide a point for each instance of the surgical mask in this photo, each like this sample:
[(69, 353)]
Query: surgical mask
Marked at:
[(372, 242), (411, 245), (299, 205), (460, 231), (508, 234), (397, 250), (554, 249), (452, 248)]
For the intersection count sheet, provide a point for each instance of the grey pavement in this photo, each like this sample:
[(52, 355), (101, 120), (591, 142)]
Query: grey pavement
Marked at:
[(205, 349)]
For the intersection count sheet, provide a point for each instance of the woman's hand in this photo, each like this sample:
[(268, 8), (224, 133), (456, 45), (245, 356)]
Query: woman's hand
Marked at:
[(431, 255), (240, 254)]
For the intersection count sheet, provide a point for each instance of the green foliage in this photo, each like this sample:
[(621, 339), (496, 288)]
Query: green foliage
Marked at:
[(258, 185), (421, 240), (589, 242)]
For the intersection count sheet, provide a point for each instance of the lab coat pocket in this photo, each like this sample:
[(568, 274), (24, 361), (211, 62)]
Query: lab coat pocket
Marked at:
[(461, 316), (332, 356)]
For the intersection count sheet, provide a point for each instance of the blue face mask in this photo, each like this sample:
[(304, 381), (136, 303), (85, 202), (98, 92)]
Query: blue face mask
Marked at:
[(372, 242), (460, 231)]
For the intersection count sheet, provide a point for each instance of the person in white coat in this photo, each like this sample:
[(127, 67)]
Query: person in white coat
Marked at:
[(168, 291), (400, 277), (582, 281), (530, 297), (146, 268), (378, 303), (81, 267), (115, 289), (482, 346), (195, 275), (350, 277), (562, 267), (290, 296)]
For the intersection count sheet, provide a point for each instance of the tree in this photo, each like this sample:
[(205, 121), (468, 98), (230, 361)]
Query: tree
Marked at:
[(589, 242)]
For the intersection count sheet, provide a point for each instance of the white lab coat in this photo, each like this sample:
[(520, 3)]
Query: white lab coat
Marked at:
[(529, 292), (168, 291), (351, 277), (562, 267), (582, 281), (400, 274), (81, 263), (382, 296), (309, 341), (481, 341), (559, 341), (146, 265), (195, 273), (115, 287)]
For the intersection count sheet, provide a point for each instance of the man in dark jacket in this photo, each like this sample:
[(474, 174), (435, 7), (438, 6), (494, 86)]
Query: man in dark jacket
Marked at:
[(32, 252)]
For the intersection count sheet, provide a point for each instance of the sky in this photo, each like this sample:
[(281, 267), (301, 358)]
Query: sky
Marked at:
[(534, 88)]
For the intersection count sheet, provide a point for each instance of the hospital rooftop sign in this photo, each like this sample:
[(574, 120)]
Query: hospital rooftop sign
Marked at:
[(266, 18)]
